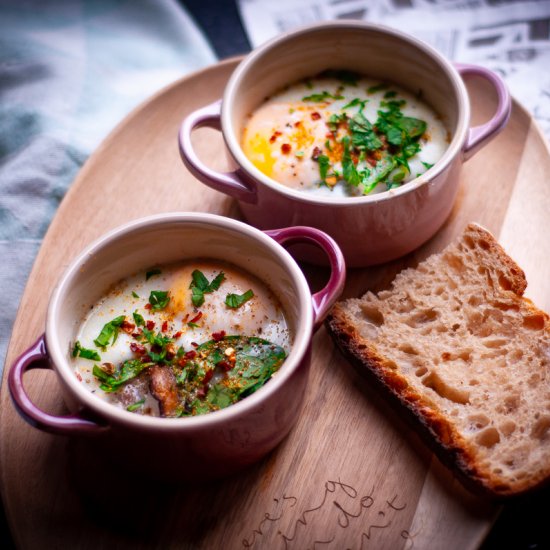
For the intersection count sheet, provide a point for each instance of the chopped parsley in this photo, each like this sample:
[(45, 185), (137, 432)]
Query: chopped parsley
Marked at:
[(79, 351), (377, 88), (354, 103), (109, 332), (138, 319), (135, 406), (371, 152), (159, 299), (129, 370), (200, 286), (343, 75), (323, 96), (152, 273), (237, 300), (324, 163)]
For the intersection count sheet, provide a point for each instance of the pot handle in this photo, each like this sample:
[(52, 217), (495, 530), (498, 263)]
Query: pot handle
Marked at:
[(479, 136), (324, 299), (37, 357), (229, 183)]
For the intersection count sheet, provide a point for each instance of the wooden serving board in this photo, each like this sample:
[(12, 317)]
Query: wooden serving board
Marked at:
[(350, 474)]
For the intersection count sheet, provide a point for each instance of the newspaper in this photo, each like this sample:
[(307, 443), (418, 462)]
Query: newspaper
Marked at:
[(511, 37)]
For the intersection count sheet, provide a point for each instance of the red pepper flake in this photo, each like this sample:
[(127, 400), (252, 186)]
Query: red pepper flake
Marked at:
[(147, 306), (127, 327), (225, 365), (274, 137), (177, 334), (286, 148), (194, 344), (197, 317), (137, 348), (297, 124), (191, 354), (315, 115), (217, 336), (316, 153), (165, 326), (208, 376), (150, 325)]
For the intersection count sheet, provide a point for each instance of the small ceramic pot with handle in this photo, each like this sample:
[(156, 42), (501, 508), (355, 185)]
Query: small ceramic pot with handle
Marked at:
[(369, 229), (213, 444)]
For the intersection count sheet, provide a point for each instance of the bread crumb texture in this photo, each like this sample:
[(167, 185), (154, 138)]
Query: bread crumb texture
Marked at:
[(460, 346)]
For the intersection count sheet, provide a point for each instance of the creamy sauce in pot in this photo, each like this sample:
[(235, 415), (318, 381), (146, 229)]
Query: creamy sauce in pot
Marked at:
[(341, 134)]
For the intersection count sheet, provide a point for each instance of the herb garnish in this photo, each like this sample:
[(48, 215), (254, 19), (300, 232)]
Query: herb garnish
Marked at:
[(138, 319), (323, 96), (109, 332), (354, 102), (372, 152), (159, 299), (200, 286), (343, 75), (324, 163), (135, 406), (237, 300), (151, 273), (112, 382), (363, 135), (79, 351), (377, 88)]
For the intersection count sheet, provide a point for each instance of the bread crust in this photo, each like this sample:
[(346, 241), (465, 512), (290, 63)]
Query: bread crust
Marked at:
[(439, 431)]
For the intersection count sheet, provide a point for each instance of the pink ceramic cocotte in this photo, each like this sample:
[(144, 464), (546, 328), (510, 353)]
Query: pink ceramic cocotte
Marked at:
[(214, 444), (370, 229)]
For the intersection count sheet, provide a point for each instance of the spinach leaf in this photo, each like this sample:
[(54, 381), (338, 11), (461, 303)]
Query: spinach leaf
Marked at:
[(255, 362)]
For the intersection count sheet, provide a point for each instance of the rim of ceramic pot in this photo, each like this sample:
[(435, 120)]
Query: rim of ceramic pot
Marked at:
[(232, 91), (58, 351)]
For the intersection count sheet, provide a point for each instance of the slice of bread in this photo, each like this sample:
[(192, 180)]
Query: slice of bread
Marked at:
[(466, 356)]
